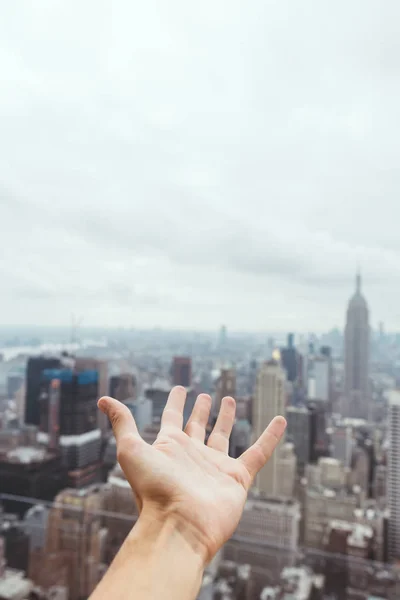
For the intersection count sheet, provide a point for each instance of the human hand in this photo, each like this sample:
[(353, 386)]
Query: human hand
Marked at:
[(198, 487)]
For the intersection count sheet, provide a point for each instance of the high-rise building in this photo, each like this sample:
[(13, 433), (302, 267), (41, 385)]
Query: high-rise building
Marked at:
[(77, 537), (360, 469), (121, 510), (322, 505), (266, 538), (322, 378), (379, 487), (319, 438), (270, 521), (298, 432), (342, 443), (240, 438), (287, 467), (225, 386), (101, 366), (142, 411), (182, 371), (32, 472), (122, 386), (393, 483), (158, 393), (289, 359), (78, 395), (79, 442), (35, 368), (356, 353), (269, 401)]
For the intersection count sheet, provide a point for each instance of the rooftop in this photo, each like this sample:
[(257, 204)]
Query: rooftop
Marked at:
[(270, 502), (27, 455), (14, 585)]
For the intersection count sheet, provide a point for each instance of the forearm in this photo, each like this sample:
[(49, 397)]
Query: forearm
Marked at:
[(157, 560)]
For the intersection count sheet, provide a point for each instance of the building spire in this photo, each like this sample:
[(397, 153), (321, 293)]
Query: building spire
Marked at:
[(358, 280)]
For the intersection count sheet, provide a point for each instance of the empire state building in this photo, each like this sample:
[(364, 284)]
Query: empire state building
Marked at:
[(356, 355)]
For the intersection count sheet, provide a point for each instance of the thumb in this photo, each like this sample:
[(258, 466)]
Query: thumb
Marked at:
[(129, 442), (120, 416)]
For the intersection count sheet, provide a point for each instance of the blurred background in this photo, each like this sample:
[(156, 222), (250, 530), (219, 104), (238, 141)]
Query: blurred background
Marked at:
[(203, 195)]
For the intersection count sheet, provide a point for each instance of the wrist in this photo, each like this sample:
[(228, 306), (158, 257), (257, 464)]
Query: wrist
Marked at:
[(157, 560), (165, 531)]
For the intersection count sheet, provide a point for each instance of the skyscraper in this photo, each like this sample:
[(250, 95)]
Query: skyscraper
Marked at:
[(298, 432), (76, 422), (182, 371), (289, 358), (393, 483), (36, 366), (356, 353), (269, 401), (225, 386)]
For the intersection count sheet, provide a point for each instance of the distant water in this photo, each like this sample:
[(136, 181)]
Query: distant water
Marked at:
[(13, 351)]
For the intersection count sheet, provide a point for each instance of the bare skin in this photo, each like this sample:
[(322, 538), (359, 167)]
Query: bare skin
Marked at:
[(190, 495)]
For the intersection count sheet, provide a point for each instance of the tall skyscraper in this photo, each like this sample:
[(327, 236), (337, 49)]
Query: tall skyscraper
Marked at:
[(289, 357), (356, 353), (298, 432), (101, 366), (322, 378), (269, 401), (182, 371), (36, 366), (225, 386), (393, 483), (74, 430)]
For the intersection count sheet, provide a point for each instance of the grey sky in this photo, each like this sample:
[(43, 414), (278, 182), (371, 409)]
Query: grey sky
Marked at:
[(176, 163)]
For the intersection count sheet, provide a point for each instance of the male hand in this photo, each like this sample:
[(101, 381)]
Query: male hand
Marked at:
[(198, 487)]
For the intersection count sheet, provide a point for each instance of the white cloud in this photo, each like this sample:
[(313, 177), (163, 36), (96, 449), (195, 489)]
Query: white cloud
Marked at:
[(229, 163)]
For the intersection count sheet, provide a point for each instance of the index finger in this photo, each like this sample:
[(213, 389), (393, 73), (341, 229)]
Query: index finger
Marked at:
[(259, 453)]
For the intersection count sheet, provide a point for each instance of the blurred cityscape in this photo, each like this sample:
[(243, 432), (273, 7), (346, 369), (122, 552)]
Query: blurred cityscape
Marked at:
[(323, 519)]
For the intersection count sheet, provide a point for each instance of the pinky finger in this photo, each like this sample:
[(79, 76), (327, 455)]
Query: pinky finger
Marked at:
[(260, 452)]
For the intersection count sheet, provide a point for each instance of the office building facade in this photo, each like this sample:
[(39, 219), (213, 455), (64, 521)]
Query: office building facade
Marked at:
[(269, 401)]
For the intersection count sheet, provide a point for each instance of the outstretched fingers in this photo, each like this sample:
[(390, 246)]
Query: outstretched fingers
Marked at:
[(173, 411), (259, 453), (219, 437), (197, 423)]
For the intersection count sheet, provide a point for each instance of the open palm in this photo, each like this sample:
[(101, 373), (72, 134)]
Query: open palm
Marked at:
[(180, 476)]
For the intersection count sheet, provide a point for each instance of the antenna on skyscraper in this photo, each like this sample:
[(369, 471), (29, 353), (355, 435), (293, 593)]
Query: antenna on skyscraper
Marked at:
[(358, 278)]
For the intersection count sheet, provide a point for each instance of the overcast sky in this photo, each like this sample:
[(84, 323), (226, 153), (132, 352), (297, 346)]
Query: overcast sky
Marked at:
[(196, 163)]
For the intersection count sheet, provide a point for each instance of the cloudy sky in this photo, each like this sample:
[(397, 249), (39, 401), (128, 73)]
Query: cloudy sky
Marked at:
[(192, 164)]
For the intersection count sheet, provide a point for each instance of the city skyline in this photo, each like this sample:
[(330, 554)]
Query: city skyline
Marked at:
[(321, 515), (224, 165)]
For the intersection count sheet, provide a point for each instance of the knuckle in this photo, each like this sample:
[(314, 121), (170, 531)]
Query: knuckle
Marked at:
[(260, 456), (190, 428), (115, 417), (118, 415)]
